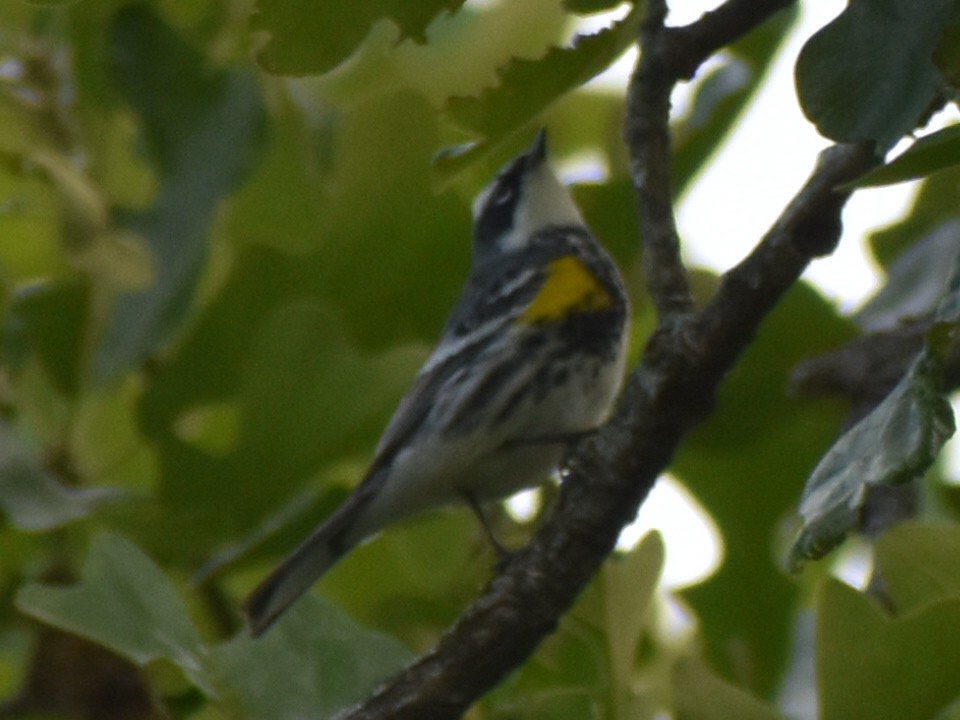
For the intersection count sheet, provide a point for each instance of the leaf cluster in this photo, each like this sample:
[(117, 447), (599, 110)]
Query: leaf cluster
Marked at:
[(228, 242)]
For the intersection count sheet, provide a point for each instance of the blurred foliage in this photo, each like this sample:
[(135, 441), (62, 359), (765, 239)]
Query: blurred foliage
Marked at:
[(870, 75), (937, 151), (231, 232), (747, 466)]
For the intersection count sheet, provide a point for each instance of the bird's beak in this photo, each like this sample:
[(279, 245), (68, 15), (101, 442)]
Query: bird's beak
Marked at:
[(538, 151)]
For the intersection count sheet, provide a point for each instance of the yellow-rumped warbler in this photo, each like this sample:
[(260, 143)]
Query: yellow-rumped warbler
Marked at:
[(531, 358)]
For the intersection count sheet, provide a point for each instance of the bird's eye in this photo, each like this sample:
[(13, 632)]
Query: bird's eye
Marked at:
[(503, 195)]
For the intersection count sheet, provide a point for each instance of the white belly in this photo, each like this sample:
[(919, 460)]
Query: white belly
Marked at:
[(490, 464)]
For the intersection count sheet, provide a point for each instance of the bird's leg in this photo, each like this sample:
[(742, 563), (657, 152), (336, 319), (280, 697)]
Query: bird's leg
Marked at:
[(503, 554)]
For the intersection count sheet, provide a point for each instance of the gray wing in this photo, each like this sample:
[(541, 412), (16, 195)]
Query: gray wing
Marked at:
[(490, 301), (478, 317)]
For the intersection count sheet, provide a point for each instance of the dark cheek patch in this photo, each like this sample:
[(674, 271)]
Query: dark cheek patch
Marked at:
[(494, 223), (496, 216)]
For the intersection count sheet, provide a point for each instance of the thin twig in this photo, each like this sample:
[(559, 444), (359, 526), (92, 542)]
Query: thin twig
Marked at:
[(689, 46), (668, 56), (647, 135)]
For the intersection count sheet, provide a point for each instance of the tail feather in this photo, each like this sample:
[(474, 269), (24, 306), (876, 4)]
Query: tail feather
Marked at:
[(304, 566)]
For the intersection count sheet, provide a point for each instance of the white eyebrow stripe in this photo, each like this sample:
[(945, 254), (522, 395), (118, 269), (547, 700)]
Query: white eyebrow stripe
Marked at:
[(482, 199)]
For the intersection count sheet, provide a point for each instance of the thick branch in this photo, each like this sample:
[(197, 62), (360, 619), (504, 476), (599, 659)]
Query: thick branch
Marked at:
[(610, 474), (809, 227)]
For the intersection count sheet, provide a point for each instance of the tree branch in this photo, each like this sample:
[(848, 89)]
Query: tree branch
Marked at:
[(809, 227), (668, 56), (646, 132), (689, 46), (610, 474)]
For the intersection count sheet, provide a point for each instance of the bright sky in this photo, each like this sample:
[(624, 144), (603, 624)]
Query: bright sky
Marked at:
[(760, 169)]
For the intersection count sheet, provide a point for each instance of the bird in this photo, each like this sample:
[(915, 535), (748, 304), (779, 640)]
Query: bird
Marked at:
[(531, 358)]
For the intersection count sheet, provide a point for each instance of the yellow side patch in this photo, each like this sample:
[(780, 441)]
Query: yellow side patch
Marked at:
[(570, 286)]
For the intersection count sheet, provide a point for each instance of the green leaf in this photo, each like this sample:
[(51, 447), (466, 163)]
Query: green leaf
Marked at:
[(32, 236), (527, 87), (609, 210), (629, 584), (699, 694), (108, 257), (916, 281), (341, 317), (929, 154), (202, 130), (312, 38), (50, 320), (105, 442), (894, 444), (948, 312), (919, 564), (312, 199), (590, 665), (32, 498), (869, 74), (950, 711), (934, 206), (124, 602), (627, 589), (305, 394), (947, 54), (871, 667), (312, 662)]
